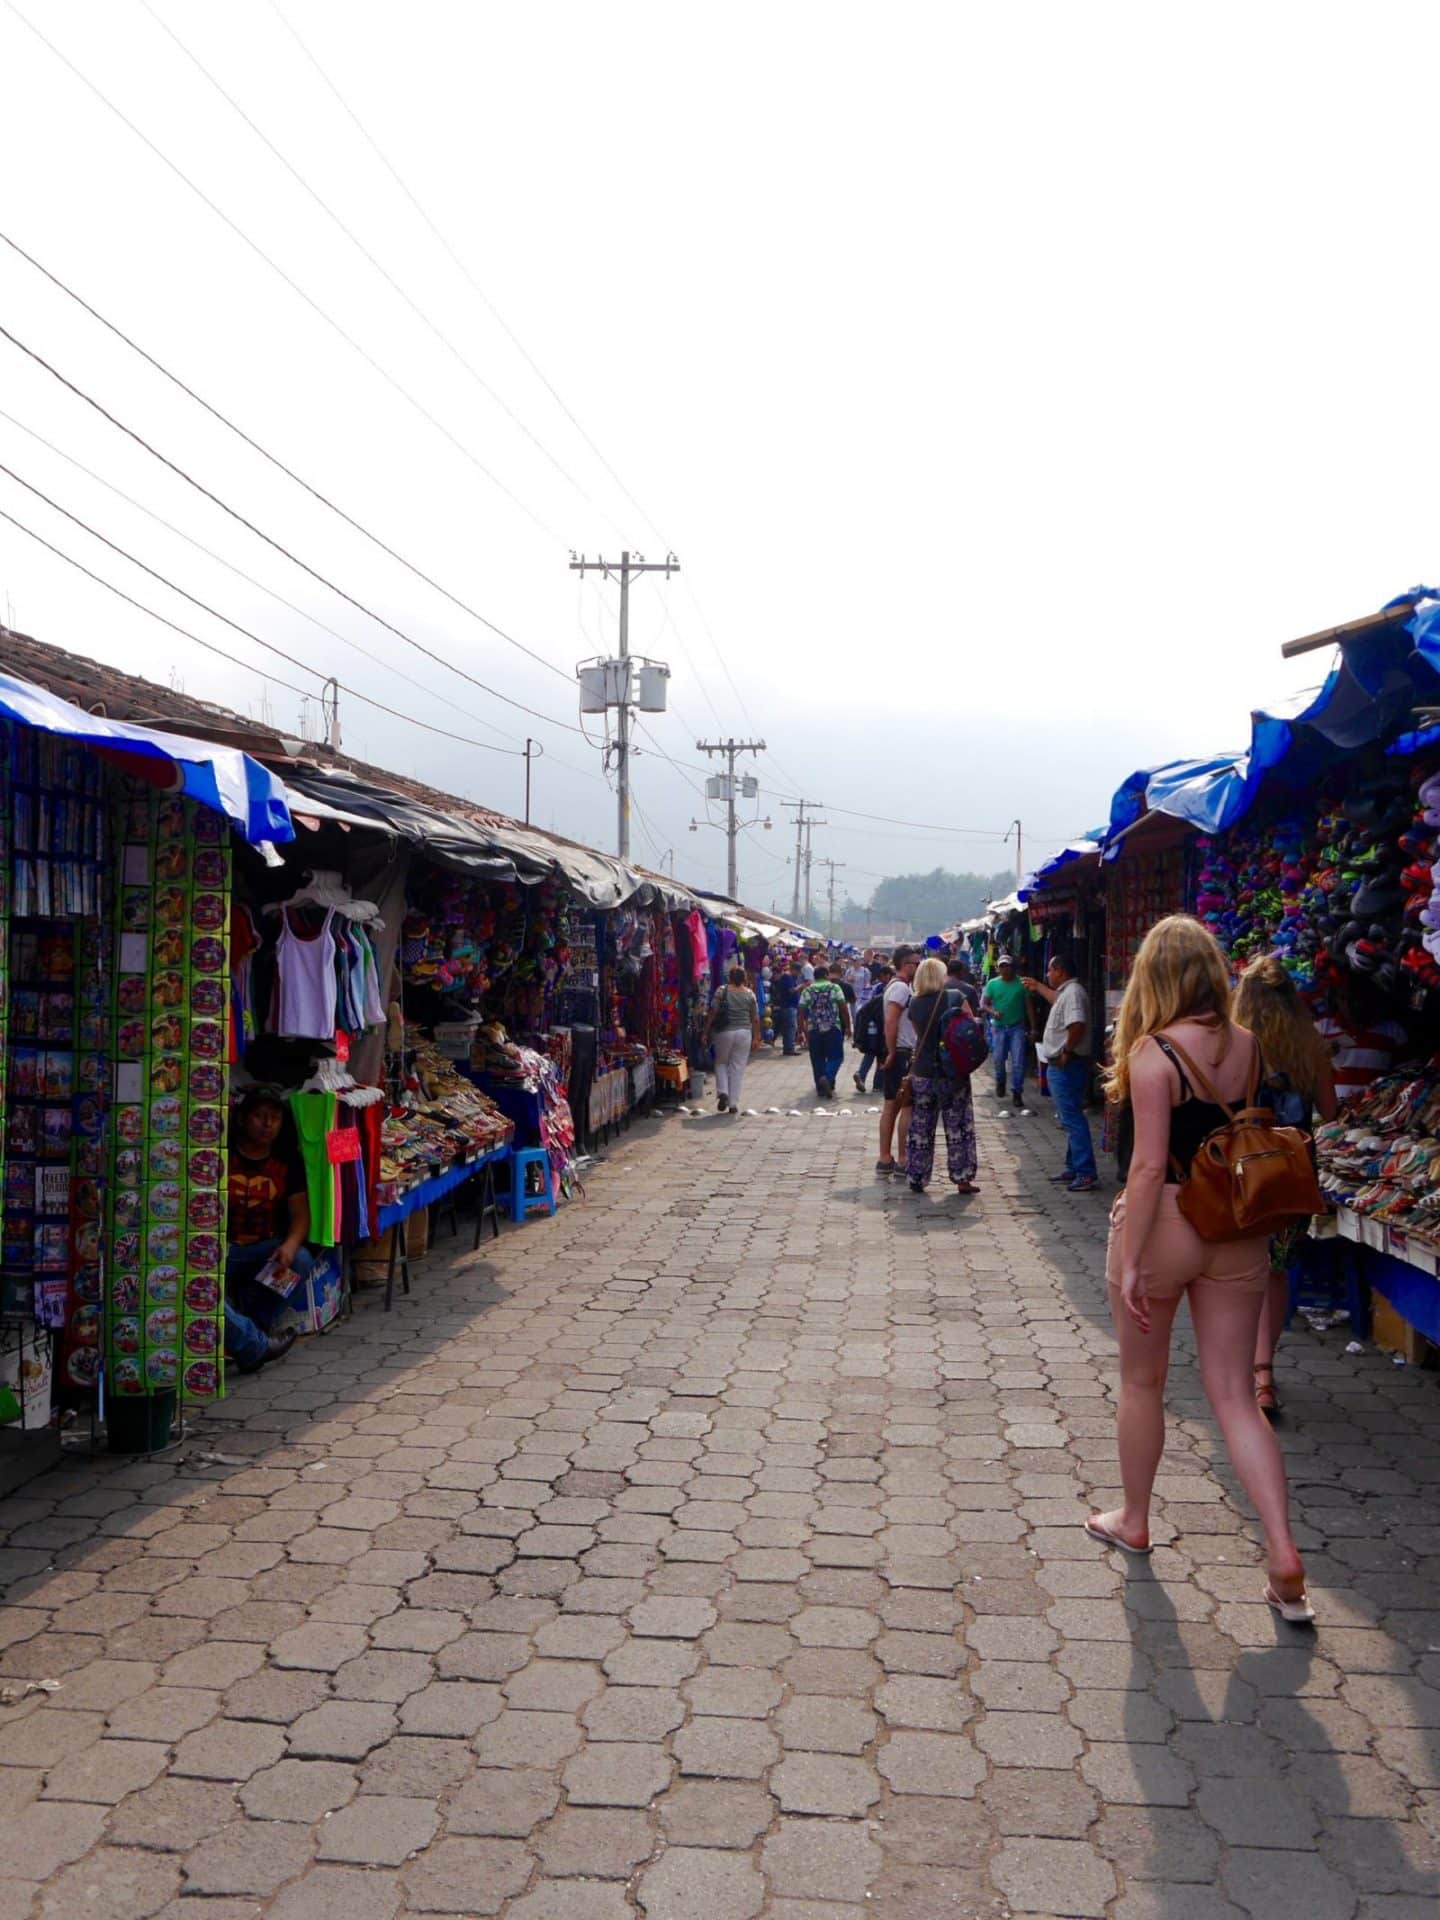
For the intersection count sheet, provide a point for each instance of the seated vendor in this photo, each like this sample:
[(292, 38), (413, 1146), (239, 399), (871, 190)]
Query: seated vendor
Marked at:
[(269, 1217)]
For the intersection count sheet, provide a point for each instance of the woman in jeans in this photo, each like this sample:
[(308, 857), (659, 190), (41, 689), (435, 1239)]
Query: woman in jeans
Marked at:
[(934, 1098), (1298, 1085), (1175, 1028), (732, 1029)]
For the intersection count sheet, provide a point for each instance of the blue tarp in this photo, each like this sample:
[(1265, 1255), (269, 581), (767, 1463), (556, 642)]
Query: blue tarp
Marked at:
[(1382, 675), (222, 777)]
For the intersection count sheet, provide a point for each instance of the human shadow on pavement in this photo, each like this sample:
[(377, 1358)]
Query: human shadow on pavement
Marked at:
[(1254, 1774)]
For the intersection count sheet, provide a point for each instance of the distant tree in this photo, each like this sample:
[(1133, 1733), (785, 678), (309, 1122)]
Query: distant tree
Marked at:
[(930, 901)]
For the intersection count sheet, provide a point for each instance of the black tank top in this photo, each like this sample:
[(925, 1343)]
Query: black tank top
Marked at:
[(1191, 1123)]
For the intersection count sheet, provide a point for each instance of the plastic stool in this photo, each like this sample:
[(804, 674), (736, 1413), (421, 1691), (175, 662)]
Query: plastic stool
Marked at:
[(522, 1204)]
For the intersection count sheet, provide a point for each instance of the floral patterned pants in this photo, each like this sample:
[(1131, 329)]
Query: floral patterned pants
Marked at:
[(934, 1101)]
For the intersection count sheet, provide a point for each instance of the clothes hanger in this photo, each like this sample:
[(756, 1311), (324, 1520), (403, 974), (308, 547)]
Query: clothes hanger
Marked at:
[(324, 888)]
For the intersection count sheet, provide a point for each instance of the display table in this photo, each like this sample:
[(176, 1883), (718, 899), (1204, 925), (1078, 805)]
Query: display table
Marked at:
[(1403, 1269), (427, 1194), (609, 1100), (674, 1074)]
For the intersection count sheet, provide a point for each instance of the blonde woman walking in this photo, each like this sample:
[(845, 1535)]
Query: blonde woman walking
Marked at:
[(1174, 1030), (1298, 1085)]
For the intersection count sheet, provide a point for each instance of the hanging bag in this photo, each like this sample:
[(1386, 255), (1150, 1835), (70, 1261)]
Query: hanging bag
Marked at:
[(906, 1096), (1249, 1177)]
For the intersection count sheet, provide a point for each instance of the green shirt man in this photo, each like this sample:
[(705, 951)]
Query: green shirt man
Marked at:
[(1006, 998)]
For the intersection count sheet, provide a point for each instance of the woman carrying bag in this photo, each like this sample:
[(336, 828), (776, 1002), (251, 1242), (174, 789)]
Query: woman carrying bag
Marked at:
[(732, 1029), (1299, 1084), (1187, 1076), (933, 1096)]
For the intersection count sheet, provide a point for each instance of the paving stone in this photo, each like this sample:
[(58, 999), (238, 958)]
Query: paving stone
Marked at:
[(519, 1738), (300, 1790), (633, 1714), (931, 1763), (672, 1619), (341, 1730), (228, 1750), (1159, 1843), (572, 1900), (721, 1749), (240, 1860), (465, 1876), (1053, 1877), (692, 1880), (378, 1830), (1276, 1883), (1048, 1805), (913, 1701), (334, 1893), (606, 1843), (820, 1859), (174, 1815), (106, 1772), (553, 1686), (816, 1723), (824, 1783), (1028, 1740), (507, 1802), (716, 1813), (122, 1883), (616, 1774)]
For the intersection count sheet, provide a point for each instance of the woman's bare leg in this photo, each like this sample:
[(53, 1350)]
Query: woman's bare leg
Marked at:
[(1225, 1328), (1140, 1426)]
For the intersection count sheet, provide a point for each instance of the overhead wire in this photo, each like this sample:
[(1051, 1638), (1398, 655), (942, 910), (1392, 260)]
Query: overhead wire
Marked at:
[(240, 573), (354, 692), (360, 246), (279, 465), (280, 272), (458, 262), (277, 545)]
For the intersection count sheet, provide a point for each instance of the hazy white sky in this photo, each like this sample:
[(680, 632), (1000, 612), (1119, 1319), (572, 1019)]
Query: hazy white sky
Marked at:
[(1010, 382)]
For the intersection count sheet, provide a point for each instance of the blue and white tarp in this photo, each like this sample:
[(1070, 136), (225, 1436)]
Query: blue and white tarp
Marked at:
[(247, 793)]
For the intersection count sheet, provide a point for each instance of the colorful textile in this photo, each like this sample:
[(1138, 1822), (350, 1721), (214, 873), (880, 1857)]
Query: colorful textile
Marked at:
[(934, 1101)]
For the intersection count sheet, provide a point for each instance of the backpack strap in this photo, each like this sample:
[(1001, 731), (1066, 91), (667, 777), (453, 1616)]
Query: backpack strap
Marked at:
[(1206, 1086), (1187, 1092)]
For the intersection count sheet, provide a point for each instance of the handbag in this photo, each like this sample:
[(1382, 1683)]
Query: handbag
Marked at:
[(906, 1096), (1249, 1177)]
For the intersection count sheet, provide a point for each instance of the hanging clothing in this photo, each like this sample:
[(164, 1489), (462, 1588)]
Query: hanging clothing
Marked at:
[(314, 1119), (305, 992)]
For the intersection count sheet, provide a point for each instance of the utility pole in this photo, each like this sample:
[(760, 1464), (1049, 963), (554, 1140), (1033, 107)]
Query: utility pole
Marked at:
[(810, 826), (610, 682), (729, 750), (832, 865), (800, 824), (533, 750), (1019, 833)]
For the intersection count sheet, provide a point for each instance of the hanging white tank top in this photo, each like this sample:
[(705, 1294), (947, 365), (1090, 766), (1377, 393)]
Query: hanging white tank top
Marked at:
[(305, 993)]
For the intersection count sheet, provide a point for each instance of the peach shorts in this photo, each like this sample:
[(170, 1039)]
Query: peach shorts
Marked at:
[(1175, 1258)]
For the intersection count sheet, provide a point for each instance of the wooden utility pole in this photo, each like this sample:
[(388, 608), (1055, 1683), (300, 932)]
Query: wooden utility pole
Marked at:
[(800, 825), (729, 750), (624, 570)]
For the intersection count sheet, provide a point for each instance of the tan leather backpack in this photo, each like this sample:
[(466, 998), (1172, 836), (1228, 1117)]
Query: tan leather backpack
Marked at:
[(1249, 1177)]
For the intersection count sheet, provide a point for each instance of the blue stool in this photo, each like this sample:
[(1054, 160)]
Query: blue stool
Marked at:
[(522, 1204)]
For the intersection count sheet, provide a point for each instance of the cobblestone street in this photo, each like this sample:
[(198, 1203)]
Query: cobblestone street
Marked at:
[(713, 1551)]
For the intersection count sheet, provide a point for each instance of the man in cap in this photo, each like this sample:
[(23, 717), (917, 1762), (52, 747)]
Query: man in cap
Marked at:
[(1008, 1004)]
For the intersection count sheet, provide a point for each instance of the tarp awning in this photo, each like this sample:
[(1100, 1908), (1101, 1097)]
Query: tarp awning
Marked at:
[(224, 778)]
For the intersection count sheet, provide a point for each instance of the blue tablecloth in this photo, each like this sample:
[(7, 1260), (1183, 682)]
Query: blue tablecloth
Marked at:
[(429, 1191)]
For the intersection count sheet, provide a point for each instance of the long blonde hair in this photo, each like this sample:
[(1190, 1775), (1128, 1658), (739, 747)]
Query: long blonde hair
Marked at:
[(930, 977), (1268, 1004), (1179, 974)]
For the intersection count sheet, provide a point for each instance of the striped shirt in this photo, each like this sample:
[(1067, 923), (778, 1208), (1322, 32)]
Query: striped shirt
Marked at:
[(1361, 1054)]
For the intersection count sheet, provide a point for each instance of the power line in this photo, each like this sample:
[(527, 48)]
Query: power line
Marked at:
[(304, 566), (278, 464), (239, 572), (460, 265), (360, 246), (355, 694), (278, 270)]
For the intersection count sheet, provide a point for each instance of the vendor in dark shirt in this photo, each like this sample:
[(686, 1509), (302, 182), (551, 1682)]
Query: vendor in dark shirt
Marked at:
[(268, 1219)]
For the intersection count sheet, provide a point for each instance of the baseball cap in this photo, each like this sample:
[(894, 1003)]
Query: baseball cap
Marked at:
[(1004, 959)]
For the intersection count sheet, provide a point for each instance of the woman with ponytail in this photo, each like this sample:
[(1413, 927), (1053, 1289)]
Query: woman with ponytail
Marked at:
[(1298, 1085)]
